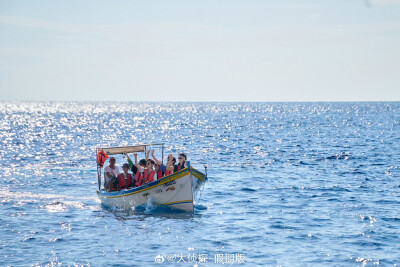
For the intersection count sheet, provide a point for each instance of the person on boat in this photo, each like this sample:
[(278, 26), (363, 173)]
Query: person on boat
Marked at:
[(170, 165), (149, 172), (182, 162), (125, 178), (134, 167), (159, 167), (110, 175), (137, 169)]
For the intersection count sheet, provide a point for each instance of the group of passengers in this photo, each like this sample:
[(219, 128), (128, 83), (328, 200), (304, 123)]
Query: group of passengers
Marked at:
[(143, 172)]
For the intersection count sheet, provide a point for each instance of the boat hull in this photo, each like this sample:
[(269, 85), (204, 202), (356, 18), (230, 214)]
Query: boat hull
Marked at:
[(178, 190)]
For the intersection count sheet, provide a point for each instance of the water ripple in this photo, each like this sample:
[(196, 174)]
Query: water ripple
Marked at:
[(289, 183)]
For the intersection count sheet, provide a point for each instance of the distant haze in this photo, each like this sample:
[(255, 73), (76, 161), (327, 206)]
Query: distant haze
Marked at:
[(200, 50)]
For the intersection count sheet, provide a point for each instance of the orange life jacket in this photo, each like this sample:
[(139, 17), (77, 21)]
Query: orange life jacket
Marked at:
[(160, 174), (122, 183), (145, 178), (149, 177), (139, 178), (101, 158)]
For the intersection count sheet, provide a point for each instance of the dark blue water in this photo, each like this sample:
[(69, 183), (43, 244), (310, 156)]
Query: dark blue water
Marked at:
[(291, 184)]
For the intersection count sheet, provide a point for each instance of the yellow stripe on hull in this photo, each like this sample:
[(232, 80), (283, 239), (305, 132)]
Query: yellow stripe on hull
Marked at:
[(166, 192), (172, 178)]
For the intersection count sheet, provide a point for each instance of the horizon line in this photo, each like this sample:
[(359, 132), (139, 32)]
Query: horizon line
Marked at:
[(192, 101)]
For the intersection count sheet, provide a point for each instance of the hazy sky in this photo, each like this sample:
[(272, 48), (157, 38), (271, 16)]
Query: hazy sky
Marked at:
[(204, 50)]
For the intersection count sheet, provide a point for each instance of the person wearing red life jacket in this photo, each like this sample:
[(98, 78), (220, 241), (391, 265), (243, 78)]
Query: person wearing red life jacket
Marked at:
[(182, 162), (149, 172), (159, 167), (137, 170), (140, 173), (145, 175), (170, 165), (125, 178)]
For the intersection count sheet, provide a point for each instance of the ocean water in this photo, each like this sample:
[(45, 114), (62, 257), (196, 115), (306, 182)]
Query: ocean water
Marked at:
[(290, 184)]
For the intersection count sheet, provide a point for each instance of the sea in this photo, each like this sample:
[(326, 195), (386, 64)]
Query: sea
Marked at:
[(289, 184)]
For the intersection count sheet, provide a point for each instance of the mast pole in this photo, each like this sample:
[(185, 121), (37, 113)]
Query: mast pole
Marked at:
[(98, 170), (162, 154)]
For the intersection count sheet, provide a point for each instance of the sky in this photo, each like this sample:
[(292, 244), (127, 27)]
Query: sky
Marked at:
[(203, 50)]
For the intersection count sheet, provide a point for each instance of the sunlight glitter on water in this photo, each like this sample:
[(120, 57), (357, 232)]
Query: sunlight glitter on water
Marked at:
[(289, 183)]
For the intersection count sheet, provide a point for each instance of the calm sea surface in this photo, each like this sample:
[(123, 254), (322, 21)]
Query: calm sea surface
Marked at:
[(290, 184)]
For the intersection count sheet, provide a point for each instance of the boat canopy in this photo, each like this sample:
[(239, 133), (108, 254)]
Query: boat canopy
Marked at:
[(126, 149), (100, 157)]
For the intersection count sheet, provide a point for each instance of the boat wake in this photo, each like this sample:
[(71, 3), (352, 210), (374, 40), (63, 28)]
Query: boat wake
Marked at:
[(199, 207), (149, 209), (152, 207), (49, 202)]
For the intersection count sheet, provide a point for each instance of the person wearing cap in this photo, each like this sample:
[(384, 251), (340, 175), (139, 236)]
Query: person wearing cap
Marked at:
[(125, 178)]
